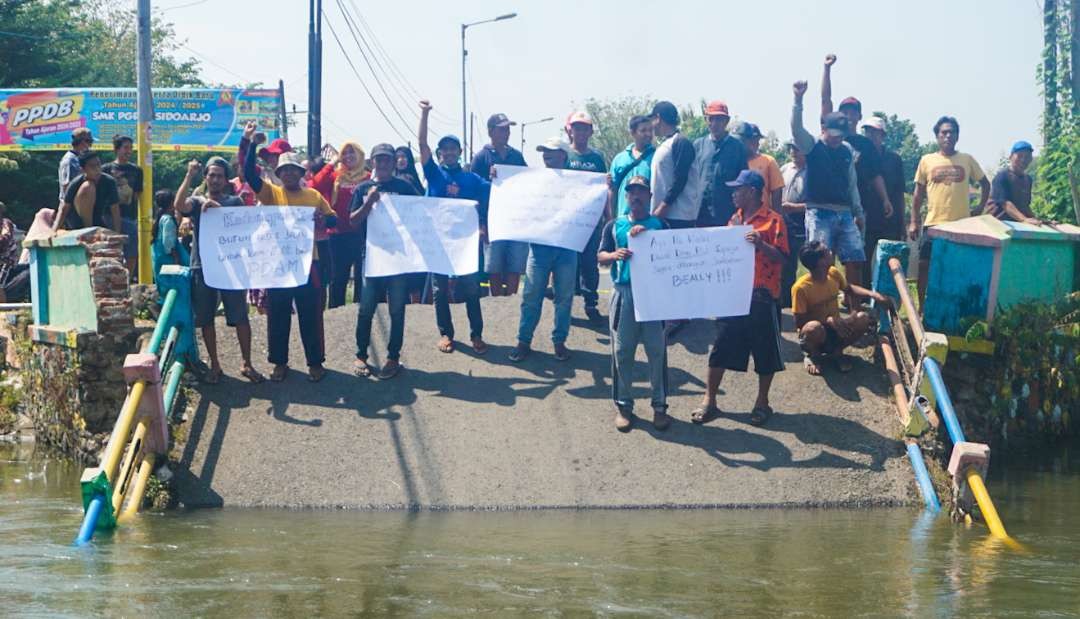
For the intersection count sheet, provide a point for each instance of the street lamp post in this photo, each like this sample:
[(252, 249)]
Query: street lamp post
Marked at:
[(464, 54), (532, 122)]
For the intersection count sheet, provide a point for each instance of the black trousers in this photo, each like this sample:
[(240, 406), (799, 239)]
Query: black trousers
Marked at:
[(348, 250), (280, 303), (589, 270)]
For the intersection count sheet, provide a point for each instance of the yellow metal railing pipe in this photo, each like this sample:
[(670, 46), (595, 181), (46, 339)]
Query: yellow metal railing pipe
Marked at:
[(900, 279), (131, 456), (111, 460), (135, 496), (986, 506)]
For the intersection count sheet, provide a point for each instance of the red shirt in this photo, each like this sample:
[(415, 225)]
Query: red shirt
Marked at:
[(770, 225)]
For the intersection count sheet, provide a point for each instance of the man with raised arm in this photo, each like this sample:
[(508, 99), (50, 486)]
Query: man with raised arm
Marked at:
[(447, 179), (205, 300), (833, 207)]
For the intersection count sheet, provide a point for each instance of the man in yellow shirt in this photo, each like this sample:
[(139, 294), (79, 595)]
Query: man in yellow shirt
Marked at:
[(823, 332), (305, 298), (942, 180)]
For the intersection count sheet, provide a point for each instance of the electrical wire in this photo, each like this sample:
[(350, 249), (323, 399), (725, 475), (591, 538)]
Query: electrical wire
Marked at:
[(371, 96)]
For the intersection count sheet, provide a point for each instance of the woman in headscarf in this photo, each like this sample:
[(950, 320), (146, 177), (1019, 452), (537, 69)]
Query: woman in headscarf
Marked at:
[(336, 182), (406, 168)]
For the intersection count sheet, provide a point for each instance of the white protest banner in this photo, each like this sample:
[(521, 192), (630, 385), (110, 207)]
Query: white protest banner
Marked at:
[(413, 234), (243, 247), (541, 205), (691, 273)]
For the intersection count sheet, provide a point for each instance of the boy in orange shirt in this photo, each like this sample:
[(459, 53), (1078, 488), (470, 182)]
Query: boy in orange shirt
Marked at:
[(759, 331)]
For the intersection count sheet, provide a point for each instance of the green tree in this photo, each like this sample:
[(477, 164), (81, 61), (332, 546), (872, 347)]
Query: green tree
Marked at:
[(1057, 169)]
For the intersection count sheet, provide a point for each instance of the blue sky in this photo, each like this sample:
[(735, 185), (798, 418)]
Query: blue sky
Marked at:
[(917, 58)]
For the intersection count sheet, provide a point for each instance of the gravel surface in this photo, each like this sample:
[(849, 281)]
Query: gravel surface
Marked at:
[(458, 431)]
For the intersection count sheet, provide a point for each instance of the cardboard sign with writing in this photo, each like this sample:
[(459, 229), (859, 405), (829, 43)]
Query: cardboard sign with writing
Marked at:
[(692, 273), (266, 247), (550, 207), (413, 234)]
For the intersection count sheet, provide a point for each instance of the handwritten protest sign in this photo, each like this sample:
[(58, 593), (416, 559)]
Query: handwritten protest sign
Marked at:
[(550, 207), (265, 247), (694, 273), (412, 234)]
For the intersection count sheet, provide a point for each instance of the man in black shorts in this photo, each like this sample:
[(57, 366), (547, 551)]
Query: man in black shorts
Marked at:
[(759, 331), (205, 300)]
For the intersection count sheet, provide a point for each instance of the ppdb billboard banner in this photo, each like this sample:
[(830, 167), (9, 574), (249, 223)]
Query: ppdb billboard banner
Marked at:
[(184, 119)]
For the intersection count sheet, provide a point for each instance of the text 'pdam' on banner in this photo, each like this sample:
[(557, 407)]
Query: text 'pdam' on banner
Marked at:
[(691, 273), (413, 234), (184, 118), (243, 247), (560, 208)]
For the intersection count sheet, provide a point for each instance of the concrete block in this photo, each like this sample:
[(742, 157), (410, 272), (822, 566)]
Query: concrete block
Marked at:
[(141, 366), (935, 346), (968, 454), (144, 367)]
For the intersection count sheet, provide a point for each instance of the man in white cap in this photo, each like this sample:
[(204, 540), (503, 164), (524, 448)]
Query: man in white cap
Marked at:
[(579, 128), (558, 263), (879, 224)]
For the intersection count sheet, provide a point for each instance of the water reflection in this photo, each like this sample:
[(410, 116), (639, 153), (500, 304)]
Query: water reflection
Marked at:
[(665, 563)]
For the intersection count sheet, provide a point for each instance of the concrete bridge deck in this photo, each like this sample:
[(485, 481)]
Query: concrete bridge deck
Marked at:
[(462, 431)]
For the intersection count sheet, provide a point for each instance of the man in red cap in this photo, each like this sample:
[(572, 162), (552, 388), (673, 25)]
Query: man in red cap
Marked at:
[(579, 128), (872, 193), (722, 157)]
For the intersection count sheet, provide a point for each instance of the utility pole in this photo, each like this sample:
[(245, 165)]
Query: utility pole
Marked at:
[(465, 146), (283, 116), (314, 132), (145, 103)]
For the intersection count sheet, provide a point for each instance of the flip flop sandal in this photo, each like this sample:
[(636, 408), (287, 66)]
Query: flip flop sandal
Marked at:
[(445, 346), (315, 375), (279, 375), (361, 369), (480, 348), (704, 414), (389, 371), (760, 415), (253, 375)]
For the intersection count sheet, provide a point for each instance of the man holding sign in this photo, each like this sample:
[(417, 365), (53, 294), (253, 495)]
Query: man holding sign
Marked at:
[(759, 331), (626, 330), (305, 297), (559, 263), (393, 288)]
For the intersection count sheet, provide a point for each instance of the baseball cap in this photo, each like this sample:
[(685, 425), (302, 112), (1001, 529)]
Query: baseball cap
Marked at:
[(277, 147), (499, 120), (219, 162), (748, 131), (289, 159), (1021, 145), (874, 122), (448, 138), (835, 124), (748, 178), (383, 149), (554, 143), (852, 101), (666, 111), (716, 108), (638, 181), (579, 116)]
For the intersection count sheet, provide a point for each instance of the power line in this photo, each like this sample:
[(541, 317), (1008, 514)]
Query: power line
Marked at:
[(329, 24), (409, 104), (393, 65)]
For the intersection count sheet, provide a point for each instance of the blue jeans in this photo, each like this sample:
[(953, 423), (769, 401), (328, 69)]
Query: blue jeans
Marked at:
[(836, 229), (545, 260)]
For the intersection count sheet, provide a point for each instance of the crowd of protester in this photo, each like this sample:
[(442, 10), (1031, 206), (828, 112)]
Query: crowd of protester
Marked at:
[(838, 196)]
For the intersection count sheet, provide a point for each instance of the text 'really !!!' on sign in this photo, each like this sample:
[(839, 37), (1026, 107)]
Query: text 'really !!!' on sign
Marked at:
[(245, 247), (550, 207), (691, 273)]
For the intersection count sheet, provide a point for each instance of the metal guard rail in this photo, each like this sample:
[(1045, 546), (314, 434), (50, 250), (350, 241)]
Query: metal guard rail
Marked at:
[(113, 492)]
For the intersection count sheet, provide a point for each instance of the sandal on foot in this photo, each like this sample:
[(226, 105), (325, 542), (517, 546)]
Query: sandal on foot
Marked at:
[(518, 354), (279, 373), (316, 373), (705, 414), (252, 375), (661, 420), (624, 421), (389, 370), (479, 346), (760, 415), (446, 345), (213, 377), (361, 368), (562, 353)]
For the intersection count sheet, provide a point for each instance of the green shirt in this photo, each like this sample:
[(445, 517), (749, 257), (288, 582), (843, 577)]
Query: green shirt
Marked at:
[(591, 161)]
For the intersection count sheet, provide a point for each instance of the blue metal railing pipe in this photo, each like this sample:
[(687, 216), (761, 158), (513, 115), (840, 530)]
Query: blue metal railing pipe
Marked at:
[(944, 402), (922, 477), (93, 512)]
